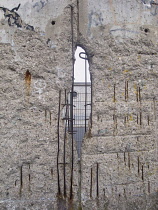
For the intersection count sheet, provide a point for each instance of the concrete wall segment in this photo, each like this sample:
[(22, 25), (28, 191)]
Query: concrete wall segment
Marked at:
[(119, 158)]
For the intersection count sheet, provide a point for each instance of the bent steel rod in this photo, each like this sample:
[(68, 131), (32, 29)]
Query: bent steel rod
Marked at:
[(85, 58), (85, 94)]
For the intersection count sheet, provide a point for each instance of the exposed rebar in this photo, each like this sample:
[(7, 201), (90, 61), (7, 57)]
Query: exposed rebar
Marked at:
[(58, 131), (65, 148), (71, 106)]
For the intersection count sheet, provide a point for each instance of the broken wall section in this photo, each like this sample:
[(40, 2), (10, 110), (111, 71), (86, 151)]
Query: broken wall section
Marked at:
[(36, 67), (119, 160)]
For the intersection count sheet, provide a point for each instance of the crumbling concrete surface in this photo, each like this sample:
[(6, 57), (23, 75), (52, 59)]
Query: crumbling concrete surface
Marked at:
[(39, 166)]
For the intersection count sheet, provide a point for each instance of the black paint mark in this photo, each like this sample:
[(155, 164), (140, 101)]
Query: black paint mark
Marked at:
[(15, 8), (29, 27), (14, 18)]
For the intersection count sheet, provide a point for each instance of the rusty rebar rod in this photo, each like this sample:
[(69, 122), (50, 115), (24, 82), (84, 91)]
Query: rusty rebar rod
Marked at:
[(142, 172), (58, 131), (91, 184), (97, 180), (114, 92), (85, 93), (65, 148), (126, 91), (78, 19), (71, 107), (21, 179), (138, 165)]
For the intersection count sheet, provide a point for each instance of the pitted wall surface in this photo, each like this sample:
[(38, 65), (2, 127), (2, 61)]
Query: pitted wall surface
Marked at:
[(119, 160)]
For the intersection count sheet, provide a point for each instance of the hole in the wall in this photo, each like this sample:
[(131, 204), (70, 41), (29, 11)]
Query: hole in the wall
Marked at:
[(146, 30), (81, 97), (53, 22), (80, 75)]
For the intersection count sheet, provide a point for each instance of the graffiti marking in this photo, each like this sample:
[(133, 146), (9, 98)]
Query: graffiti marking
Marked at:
[(152, 5), (14, 18)]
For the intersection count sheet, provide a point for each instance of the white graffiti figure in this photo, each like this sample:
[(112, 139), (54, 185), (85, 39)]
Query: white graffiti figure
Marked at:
[(40, 86)]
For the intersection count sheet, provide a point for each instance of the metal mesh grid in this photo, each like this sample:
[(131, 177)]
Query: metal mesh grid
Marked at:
[(81, 112)]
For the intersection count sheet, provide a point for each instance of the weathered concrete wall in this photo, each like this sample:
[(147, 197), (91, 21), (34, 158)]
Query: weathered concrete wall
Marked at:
[(119, 154), (119, 161)]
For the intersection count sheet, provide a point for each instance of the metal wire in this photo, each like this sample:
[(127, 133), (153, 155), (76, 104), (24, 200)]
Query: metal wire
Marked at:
[(82, 112)]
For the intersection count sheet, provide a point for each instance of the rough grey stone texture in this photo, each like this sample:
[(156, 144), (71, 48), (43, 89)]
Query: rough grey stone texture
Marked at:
[(119, 154)]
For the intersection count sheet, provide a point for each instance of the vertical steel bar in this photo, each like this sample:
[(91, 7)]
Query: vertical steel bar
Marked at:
[(129, 162), (138, 165), (91, 182), (125, 91), (139, 94), (97, 179), (21, 179), (78, 19), (71, 110), (71, 106), (142, 172), (65, 96), (91, 97), (85, 93), (148, 186), (58, 131), (29, 179), (114, 92), (66, 116)]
